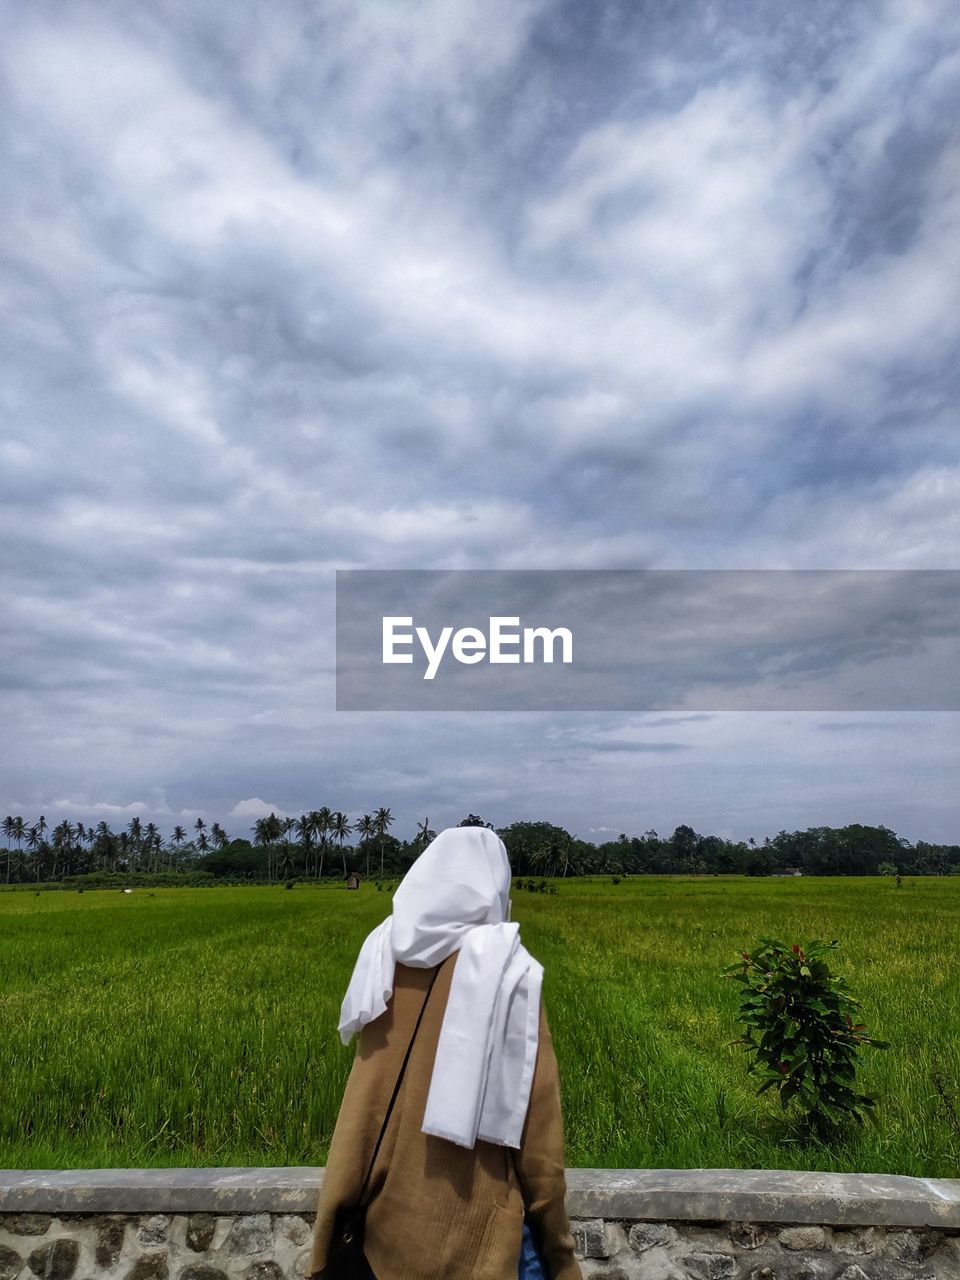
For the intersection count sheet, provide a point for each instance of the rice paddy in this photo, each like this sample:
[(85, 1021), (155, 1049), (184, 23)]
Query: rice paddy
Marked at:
[(179, 1027)]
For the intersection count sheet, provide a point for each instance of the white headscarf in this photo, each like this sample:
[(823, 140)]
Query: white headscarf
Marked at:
[(455, 898)]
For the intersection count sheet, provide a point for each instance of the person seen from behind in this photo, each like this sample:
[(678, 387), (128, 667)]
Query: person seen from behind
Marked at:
[(468, 1181)]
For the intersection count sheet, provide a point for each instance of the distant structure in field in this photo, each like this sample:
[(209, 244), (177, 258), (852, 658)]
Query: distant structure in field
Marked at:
[(353, 879), (789, 871)]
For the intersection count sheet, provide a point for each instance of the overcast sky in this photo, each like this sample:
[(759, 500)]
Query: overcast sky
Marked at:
[(292, 287)]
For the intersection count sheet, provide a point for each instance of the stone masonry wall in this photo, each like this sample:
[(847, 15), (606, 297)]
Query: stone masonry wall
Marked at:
[(257, 1225), (265, 1246)]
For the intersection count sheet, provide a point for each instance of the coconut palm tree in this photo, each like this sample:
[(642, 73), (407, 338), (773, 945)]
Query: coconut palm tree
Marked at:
[(135, 829), (424, 834), (151, 838), (220, 837), (366, 829), (35, 844), (178, 837), (19, 833), (323, 818), (62, 840), (340, 826), (304, 826), (262, 838), (9, 827), (383, 820)]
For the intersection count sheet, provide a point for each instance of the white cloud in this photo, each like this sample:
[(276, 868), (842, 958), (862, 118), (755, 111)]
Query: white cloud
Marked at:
[(255, 808)]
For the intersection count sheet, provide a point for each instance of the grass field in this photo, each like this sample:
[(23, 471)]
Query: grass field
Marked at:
[(184, 1027)]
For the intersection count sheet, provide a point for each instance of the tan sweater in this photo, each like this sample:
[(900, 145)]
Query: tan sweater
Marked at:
[(439, 1211)]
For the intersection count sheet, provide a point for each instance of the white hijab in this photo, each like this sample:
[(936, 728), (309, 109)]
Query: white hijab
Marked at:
[(455, 898)]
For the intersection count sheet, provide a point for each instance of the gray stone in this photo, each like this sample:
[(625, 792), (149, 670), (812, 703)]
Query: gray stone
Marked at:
[(200, 1271), (852, 1272), (763, 1273), (200, 1229), (913, 1246), (709, 1266), (803, 1238), (153, 1230), (650, 1235), (858, 1240), (110, 1233), (267, 1270), (56, 1260), (811, 1269), (28, 1224), (150, 1266), (294, 1227), (748, 1235), (249, 1234), (10, 1263), (589, 1238)]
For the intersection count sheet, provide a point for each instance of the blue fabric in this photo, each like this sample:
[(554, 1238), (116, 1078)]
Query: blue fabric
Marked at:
[(532, 1265)]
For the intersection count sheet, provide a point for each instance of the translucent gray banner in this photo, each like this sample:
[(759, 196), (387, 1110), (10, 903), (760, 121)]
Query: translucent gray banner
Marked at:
[(648, 640)]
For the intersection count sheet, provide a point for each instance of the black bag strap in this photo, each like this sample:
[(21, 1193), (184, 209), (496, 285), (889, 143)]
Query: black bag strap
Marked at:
[(396, 1087)]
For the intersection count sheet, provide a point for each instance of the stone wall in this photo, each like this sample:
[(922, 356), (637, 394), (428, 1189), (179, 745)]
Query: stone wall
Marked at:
[(692, 1224)]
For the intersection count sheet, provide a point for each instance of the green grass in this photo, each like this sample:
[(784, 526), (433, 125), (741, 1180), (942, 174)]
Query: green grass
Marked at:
[(178, 1027)]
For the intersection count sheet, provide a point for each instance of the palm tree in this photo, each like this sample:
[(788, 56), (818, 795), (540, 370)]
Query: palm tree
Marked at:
[(62, 840), (366, 829), (34, 840), (262, 837), (19, 833), (286, 826), (424, 834), (220, 836), (383, 820), (285, 861), (104, 839), (305, 828), (136, 835), (151, 837), (179, 835), (322, 819), (9, 827), (340, 826)]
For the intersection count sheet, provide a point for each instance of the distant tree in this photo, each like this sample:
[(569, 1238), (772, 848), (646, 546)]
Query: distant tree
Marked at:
[(474, 820), (384, 821), (424, 834), (366, 830), (340, 826)]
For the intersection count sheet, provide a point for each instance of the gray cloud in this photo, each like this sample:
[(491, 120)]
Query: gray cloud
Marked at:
[(544, 286)]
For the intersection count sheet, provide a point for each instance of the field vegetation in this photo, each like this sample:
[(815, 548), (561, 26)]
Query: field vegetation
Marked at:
[(197, 1026)]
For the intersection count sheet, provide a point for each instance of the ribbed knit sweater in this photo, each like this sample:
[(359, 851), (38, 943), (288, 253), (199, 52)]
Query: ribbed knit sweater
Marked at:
[(439, 1211)]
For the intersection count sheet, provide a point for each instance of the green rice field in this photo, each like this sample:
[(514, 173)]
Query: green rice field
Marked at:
[(179, 1027)]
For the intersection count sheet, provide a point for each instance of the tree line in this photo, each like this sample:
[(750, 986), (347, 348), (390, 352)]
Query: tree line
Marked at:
[(324, 844)]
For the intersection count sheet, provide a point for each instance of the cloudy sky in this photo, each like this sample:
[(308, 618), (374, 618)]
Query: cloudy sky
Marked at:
[(290, 287)]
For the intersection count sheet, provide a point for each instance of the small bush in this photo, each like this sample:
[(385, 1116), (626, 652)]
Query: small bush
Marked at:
[(800, 1029)]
